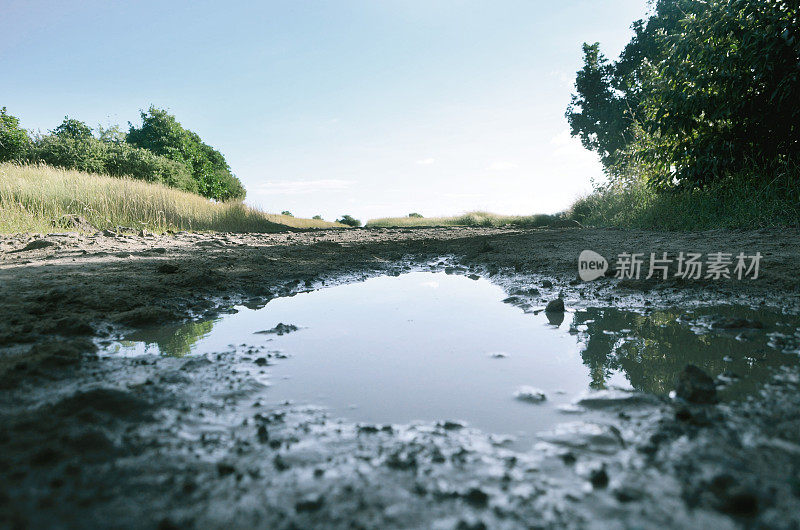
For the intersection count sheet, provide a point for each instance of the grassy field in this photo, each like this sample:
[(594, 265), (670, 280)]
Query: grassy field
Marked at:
[(468, 219), (37, 199), (732, 206)]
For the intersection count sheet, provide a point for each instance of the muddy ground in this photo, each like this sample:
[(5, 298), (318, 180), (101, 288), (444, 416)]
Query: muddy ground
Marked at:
[(91, 440)]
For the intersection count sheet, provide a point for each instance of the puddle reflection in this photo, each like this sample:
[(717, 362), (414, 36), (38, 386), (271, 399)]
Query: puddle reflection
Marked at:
[(428, 346)]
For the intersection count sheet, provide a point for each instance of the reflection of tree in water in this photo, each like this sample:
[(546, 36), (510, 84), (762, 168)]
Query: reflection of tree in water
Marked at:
[(174, 340), (658, 347)]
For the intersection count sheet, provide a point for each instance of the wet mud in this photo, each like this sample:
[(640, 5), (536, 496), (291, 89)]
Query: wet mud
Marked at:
[(91, 439)]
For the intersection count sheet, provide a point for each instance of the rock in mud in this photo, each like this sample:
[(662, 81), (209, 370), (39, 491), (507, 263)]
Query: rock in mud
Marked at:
[(604, 399), (36, 244), (555, 306), (280, 329), (696, 386), (167, 268), (529, 394), (310, 503), (599, 477), (547, 284)]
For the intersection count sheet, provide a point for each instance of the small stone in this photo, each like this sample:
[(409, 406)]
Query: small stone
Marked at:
[(599, 478), (555, 306), (261, 361), (547, 284), (476, 497), (262, 434), (280, 329), (224, 469), (310, 503), (530, 394)]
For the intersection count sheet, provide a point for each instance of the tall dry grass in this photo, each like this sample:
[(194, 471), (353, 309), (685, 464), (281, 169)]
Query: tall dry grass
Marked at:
[(485, 219), (35, 198)]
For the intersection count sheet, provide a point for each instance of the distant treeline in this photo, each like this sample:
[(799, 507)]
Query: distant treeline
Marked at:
[(160, 150), (706, 94)]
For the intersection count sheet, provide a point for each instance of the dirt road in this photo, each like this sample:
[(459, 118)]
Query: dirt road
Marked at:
[(179, 443)]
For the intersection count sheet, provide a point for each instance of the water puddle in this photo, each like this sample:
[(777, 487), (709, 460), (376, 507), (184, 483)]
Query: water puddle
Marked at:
[(432, 347)]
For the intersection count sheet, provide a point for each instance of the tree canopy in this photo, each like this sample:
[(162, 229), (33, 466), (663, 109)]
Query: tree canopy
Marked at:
[(163, 135), (706, 89)]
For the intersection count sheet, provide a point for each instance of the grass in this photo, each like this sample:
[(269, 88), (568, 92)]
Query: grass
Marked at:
[(732, 206), (484, 219), (36, 198)]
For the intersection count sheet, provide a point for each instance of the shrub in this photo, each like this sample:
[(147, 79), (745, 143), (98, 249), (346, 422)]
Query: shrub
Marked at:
[(14, 140), (417, 215), (94, 156), (317, 217), (349, 221), (287, 212)]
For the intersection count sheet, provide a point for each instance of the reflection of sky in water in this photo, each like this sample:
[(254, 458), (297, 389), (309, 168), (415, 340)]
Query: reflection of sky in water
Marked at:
[(418, 347)]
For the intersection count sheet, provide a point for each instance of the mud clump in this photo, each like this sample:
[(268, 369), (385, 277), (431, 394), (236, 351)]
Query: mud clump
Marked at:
[(696, 386), (280, 329), (555, 306), (167, 268), (108, 402), (36, 244), (530, 394)]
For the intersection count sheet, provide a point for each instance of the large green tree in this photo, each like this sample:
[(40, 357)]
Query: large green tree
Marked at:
[(162, 134), (705, 90)]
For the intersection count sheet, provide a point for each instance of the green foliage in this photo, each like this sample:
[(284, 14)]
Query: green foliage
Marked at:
[(415, 215), (349, 221), (734, 203), (116, 159), (14, 140), (111, 134), (705, 92), (74, 129), (317, 217), (161, 133), (287, 212)]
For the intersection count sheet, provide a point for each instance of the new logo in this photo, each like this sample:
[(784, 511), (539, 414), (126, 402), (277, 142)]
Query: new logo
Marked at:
[(591, 265)]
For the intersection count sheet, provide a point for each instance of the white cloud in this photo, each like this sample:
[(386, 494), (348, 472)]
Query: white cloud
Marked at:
[(426, 161), (302, 186)]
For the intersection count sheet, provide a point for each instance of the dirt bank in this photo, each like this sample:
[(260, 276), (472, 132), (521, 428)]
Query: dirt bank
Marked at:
[(175, 442)]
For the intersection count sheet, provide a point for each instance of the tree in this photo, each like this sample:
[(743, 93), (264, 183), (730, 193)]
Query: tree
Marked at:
[(317, 217), (349, 221), (75, 129), (287, 212), (416, 215), (14, 140), (162, 134), (706, 90), (111, 134)]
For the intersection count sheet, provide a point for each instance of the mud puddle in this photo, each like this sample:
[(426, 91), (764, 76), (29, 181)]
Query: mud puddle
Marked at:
[(436, 347)]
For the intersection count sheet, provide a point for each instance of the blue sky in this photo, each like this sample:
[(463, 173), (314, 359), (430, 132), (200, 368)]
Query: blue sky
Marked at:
[(372, 108)]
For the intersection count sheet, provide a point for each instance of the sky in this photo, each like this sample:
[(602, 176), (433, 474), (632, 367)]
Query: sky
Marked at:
[(372, 108)]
